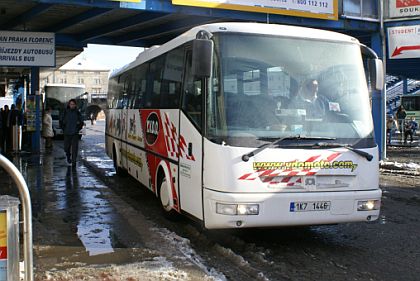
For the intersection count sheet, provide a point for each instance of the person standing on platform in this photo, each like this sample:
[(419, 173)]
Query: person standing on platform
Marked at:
[(71, 123), (1, 130), (47, 129), (5, 130), (400, 116)]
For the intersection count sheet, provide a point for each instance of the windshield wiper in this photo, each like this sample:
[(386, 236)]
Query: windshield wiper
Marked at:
[(246, 156), (368, 156)]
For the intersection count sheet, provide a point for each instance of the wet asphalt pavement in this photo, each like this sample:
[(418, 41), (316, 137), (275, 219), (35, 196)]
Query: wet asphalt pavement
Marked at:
[(90, 224)]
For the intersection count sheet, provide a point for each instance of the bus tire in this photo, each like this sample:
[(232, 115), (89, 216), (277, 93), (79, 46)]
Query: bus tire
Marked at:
[(164, 198), (118, 170)]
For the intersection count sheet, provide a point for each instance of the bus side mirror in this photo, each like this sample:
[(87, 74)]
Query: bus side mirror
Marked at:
[(202, 58), (376, 73)]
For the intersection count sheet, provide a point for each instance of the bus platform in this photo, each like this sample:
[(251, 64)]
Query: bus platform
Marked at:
[(397, 141), (82, 228)]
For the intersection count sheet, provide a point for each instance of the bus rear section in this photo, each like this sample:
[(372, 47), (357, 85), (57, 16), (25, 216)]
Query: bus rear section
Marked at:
[(57, 97), (411, 104), (274, 132)]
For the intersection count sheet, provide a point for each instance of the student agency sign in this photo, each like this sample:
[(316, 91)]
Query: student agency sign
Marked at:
[(27, 48)]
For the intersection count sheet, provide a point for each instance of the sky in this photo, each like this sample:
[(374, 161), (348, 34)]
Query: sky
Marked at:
[(113, 57)]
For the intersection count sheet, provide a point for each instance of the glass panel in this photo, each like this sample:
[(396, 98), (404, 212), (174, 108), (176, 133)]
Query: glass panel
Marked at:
[(411, 103), (192, 99), (274, 87), (156, 69), (172, 79), (352, 7), (370, 9)]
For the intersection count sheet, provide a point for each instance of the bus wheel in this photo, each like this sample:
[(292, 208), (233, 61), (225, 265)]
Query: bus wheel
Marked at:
[(164, 198), (118, 170)]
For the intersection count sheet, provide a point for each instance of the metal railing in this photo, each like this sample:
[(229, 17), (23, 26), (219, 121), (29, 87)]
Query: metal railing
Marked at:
[(27, 214)]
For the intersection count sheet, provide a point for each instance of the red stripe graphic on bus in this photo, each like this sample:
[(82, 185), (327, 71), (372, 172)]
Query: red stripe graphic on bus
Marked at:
[(171, 137)]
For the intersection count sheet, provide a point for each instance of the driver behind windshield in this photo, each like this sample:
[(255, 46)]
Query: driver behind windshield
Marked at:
[(307, 98)]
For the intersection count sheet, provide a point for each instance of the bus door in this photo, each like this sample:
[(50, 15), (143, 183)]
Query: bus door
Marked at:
[(124, 121), (191, 143)]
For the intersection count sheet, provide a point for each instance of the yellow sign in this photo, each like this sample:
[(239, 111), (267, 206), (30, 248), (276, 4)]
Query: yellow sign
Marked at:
[(320, 9), (3, 235)]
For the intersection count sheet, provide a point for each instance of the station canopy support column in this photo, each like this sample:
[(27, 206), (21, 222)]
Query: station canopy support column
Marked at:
[(378, 102), (36, 135)]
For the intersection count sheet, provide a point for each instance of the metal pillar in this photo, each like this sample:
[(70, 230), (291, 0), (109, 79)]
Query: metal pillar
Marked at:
[(378, 103), (405, 85), (36, 136)]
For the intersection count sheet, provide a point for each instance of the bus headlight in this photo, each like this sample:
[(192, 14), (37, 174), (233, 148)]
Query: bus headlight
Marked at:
[(368, 205), (237, 209)]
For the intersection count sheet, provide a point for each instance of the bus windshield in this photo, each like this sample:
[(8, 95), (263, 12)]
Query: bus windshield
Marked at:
[(271, 87), (411, 103)]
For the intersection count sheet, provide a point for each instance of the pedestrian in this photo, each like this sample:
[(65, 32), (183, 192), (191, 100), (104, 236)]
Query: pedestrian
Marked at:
[(14, 123), (5, 128), (391, 126), (400, 116), (47, 129), (1, 130), (410, 129), (72, 123)]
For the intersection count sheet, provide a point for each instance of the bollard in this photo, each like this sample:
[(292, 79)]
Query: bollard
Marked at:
[(16, 138), (9, 238), (25, 199)]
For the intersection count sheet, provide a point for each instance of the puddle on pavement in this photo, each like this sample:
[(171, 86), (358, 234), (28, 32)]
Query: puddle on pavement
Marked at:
[(75, 196)]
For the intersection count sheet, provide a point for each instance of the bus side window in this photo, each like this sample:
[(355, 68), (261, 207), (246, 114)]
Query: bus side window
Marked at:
[(192, 97), (153, 97), (139, 91), (172, 79)]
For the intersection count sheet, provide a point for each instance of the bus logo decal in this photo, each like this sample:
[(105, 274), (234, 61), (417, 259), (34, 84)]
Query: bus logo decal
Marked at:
[(152, 128), (268, 171)]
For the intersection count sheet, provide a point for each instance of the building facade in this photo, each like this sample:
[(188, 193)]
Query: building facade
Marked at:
[(82, 71)]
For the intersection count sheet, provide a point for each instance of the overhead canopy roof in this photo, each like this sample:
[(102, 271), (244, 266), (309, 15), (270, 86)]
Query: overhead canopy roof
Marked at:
[(149, 22)]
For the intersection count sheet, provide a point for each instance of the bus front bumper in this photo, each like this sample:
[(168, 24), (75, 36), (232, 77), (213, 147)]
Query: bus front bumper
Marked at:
[(288, 209)]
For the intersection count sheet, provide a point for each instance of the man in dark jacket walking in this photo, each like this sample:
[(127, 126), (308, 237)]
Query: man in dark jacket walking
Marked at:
[(71, 123)]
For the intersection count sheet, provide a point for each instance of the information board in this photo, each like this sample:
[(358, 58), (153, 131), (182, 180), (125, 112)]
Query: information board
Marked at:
[(19, 48), (404, 8), (404, 42)]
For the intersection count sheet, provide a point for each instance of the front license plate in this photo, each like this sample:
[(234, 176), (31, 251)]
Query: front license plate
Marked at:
[(310, 206)]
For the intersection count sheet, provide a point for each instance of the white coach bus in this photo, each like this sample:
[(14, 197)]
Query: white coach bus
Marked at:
[(218, 124)]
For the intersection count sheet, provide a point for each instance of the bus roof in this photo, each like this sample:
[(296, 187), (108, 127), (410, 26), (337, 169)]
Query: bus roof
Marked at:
[(236, 27), (65, 85)]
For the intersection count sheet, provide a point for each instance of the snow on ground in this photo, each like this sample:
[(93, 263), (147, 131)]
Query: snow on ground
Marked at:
[(159, 268), (184, 245), (388, 165)]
